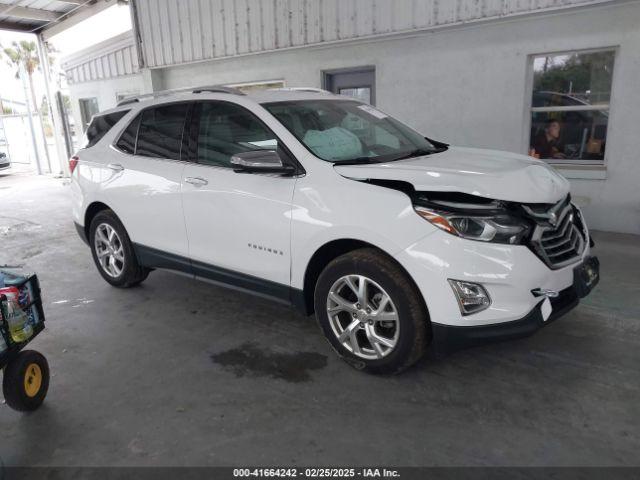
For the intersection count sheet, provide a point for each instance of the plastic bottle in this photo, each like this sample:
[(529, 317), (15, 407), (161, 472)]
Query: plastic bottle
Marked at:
[(19, 326)]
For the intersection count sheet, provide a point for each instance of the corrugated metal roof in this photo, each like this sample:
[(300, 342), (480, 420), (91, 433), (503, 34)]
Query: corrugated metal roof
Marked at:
[(34, 15), (115, 57), (182, 31)]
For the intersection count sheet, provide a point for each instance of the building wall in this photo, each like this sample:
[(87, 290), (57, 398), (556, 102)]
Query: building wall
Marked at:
[(105, 91), (469, 86), (115, 57), (464, 84), (103, 71), (180, 31)]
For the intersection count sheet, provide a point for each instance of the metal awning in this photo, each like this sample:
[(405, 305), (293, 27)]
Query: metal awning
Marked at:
[(39, 16)]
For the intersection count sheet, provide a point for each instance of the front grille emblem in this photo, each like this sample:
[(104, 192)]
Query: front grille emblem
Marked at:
[(557, 238)]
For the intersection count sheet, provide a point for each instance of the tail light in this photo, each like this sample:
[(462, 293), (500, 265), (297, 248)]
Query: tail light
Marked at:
[(73, 163)]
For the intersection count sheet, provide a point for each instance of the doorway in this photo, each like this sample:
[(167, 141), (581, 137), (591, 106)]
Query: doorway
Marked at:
[(357, 82)]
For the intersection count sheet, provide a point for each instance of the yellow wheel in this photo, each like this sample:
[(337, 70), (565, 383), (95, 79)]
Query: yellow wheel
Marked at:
[(26, 381), (32, 380)]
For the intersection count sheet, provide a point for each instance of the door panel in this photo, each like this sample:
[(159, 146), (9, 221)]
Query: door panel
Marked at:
[(236, 222), (145, 178), (146, 195), (240, 222)]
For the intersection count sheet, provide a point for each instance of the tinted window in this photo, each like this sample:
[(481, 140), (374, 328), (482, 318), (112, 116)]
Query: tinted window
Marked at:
[(160, 132), (226, 129), (101, 125), (127, 141)]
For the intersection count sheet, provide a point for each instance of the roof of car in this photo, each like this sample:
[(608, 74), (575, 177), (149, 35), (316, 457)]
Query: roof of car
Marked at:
[(292, 94), (259, 96)]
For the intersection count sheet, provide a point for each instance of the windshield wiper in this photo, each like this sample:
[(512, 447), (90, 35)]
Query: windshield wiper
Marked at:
[(357, 161), (418, 152)]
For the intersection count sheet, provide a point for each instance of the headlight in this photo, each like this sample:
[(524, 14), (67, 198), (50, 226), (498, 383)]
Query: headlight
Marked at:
[(497, 228)]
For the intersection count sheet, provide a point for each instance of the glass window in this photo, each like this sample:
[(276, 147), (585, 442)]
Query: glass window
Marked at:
[(160, 132), (348, 131), (127, 141), (88, 108), (361, 93), (570, 106), (226, 129), (101, 125), (257, 86)]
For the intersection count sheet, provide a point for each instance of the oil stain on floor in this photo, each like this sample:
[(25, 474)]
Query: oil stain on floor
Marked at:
[(250, 359)]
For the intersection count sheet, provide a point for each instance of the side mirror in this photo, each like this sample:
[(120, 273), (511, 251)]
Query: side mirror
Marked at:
[(255, 161)]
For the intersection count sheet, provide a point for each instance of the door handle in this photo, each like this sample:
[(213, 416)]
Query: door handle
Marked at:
[(115, 167), (196, 181)]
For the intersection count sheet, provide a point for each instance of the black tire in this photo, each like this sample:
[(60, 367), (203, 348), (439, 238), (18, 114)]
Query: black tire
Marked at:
[(414, 325), (132, 272), (20, 372)]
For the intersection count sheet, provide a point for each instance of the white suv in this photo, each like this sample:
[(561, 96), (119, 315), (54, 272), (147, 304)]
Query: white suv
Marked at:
[(394, 240)]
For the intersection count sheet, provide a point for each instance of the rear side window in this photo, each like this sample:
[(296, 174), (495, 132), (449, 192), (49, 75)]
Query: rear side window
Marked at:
[(100, 125), (160, 131), (127, 141)]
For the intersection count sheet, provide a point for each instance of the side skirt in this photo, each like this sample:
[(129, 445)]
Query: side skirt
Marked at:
[(153, 258)]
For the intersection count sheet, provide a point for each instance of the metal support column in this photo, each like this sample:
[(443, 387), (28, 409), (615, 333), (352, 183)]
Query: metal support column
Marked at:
[(23, 78), (54, 111)]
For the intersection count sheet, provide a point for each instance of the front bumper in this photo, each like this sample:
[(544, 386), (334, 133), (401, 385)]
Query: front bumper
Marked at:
[(511, 274), (448, 338)]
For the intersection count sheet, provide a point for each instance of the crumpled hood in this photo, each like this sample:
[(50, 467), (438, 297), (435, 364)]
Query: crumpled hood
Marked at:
[(486, 173)]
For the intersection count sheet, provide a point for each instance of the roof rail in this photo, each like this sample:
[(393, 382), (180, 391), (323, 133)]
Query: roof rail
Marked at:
[(302, 89), (127, 101), (163, 93), (218, 89)]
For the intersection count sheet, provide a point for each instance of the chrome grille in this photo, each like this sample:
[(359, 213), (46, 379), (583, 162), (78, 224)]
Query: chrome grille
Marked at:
[(560, 244)]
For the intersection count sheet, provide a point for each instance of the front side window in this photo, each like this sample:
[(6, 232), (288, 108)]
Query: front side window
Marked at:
[(570, 106), (226, 129), (160, 131), (344, 131)]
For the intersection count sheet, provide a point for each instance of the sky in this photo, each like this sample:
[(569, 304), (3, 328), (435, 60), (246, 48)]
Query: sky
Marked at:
[(104, 25)]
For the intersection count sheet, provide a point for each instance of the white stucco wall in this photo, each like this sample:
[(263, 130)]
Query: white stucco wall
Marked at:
[(106, 91), (468, 86)]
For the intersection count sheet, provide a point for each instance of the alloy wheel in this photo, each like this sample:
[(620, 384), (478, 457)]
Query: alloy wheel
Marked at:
[(363, 317), (109, 250)]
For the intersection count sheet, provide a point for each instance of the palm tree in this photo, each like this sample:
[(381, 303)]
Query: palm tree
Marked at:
[(23, 55)]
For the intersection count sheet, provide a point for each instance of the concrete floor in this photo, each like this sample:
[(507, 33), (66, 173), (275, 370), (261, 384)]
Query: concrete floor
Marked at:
[(178, 372)]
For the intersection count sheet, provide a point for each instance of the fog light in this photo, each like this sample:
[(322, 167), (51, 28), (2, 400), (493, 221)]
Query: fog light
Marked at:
[(472, 297)]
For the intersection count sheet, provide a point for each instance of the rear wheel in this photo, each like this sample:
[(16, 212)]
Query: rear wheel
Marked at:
[(371, 312), (113, 251)]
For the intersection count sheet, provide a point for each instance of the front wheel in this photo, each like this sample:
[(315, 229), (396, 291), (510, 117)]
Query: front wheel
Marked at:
[(371, 312)]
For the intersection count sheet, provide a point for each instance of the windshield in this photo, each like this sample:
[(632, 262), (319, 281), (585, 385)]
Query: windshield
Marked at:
[(349, 132)]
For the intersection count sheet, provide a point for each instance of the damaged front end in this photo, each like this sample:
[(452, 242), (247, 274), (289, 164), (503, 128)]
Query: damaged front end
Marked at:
[(556, 233)]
